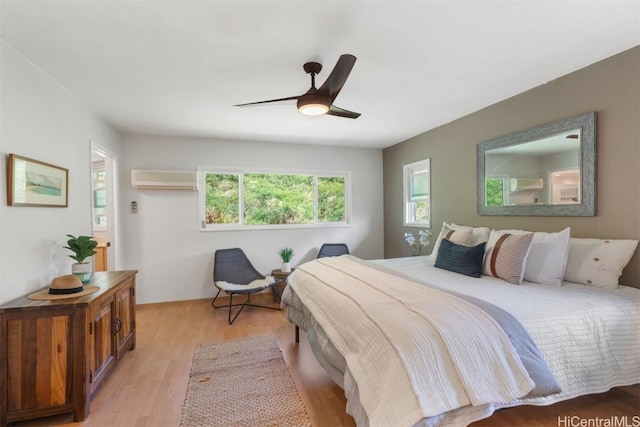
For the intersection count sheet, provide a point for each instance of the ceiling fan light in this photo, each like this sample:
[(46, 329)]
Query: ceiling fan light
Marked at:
[(313, 109), (313, 105)]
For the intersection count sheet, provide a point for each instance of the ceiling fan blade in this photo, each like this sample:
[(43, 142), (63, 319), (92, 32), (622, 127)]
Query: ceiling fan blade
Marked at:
[(338, 76), (289, 98), (341, 112)]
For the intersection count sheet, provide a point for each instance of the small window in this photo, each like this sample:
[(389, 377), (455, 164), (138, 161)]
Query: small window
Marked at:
[(417, 194), (494, 192), (99, 197)]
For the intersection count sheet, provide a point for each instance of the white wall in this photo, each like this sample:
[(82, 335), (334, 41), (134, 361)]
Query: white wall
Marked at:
[(175, 258), (42, 120)]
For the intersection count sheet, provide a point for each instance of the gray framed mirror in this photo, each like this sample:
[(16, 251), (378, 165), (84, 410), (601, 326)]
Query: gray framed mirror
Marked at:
[(548, 170)]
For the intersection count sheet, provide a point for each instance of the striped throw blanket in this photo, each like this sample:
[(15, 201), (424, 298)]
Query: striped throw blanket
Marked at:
[(413, 351)]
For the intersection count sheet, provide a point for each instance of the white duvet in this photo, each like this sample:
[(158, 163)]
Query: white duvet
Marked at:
[(588, 336)]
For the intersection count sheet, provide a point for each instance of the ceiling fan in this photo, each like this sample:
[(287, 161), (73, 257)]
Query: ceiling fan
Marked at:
[(318, 101)]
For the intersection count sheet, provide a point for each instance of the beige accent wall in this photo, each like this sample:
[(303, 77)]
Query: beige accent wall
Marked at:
[(610, 87)]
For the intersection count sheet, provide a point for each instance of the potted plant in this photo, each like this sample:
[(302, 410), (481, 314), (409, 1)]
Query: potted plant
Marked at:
[(83, 247), (286, 254)]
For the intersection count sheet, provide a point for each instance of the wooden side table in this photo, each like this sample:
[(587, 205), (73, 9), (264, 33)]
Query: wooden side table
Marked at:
[(279, 275)]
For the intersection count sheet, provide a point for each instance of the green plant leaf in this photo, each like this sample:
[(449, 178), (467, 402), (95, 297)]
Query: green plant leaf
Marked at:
[(83, 247), (286, 254)]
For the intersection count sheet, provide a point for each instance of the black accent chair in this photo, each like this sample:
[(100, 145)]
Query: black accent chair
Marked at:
[(234, 274), (333, 249)]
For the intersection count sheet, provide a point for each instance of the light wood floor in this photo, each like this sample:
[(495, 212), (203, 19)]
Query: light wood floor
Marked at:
[(148, 387)]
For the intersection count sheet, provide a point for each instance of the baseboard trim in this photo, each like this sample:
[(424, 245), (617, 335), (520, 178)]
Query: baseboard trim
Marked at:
[(259, 297)]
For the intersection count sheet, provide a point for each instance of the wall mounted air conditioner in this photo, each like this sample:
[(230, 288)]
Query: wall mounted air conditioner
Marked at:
[(526, 184), (164, 180)]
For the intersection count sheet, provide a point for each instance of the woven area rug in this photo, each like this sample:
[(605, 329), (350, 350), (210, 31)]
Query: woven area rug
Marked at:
[(244, 382)]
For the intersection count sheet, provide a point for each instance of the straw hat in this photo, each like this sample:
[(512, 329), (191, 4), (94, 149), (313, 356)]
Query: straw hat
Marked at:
[(67, 286)]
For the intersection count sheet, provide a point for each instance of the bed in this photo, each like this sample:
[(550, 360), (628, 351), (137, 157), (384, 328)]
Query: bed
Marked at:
[(408, 373)]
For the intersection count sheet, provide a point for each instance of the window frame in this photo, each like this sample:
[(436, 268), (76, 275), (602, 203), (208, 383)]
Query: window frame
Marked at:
[(409, 171), (240, 171)]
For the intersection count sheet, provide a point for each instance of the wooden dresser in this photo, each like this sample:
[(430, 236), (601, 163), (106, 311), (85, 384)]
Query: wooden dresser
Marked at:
[(55, 354)]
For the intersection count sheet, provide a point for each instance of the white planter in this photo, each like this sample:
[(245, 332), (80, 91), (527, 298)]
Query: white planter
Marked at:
[(83, 271), (286, 267)]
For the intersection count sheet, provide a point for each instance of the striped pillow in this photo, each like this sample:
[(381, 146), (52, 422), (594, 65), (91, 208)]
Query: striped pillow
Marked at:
[(459, 235), (506, 255)]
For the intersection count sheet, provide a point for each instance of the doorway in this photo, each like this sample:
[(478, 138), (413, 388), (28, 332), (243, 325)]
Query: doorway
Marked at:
[(103, 209), (565, 186)]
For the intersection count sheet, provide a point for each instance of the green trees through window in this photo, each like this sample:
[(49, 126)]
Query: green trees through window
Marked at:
[(222, 198), (494, 191), (278, 199), (274, 199), (331, 199)]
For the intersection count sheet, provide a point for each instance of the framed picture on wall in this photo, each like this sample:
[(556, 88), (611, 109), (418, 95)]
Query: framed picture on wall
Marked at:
[(34, 183)]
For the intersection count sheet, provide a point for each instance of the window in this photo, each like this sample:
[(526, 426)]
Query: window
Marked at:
[(494, 191), (332, 199), (99, 197), (276, 199), (258, 199), (417, 192), (222, 197)]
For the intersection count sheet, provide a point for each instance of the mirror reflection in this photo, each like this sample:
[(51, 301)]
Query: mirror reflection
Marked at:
[(548, 170), (545, 172)]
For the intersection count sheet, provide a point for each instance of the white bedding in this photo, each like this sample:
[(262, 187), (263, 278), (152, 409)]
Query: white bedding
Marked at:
[(588, 336)]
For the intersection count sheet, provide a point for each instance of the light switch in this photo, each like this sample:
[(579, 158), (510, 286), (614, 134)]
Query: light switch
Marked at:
[(134, 207)]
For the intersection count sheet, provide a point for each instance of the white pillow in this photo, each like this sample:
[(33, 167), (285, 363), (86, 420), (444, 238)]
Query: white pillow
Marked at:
[(547, 257), (506, 255), (597, 262), (478, 235)]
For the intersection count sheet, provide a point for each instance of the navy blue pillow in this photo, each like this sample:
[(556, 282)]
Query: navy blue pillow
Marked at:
[(460, 259)]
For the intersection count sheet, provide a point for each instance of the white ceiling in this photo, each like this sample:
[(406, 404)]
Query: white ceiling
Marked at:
[(177, 66)]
